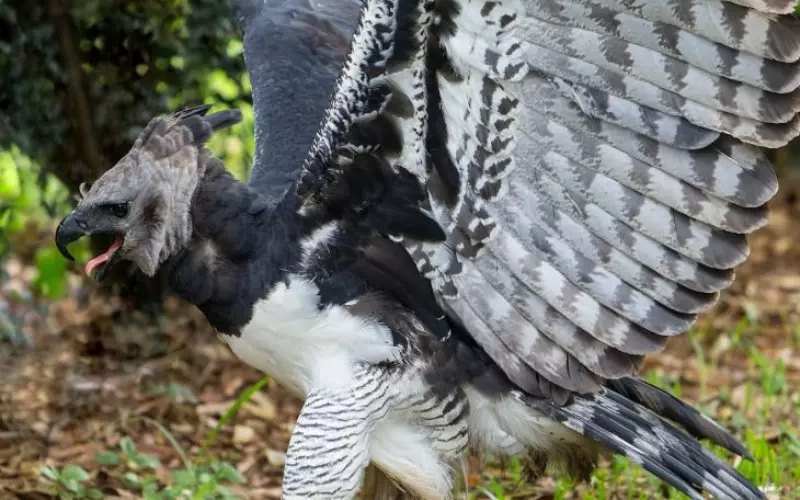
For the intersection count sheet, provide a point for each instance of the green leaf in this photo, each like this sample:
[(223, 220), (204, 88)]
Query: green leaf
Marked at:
[(70, 484), (204, 490), (183, 477), (131, 479), (148, 461), (9, 178), (229, 473), (150, 492), (226, 493), (173, 491), (49, 473), (94, 493), (74, 473), (51, 269), (127, 446), (107, 458)]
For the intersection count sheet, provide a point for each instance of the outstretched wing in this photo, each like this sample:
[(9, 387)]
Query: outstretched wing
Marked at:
[(594, 165), (293, 50)]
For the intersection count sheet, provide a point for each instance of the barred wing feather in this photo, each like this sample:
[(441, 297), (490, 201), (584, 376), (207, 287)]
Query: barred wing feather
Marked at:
[(595, 165)]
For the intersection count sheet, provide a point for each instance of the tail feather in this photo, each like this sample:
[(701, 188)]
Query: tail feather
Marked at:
[(688, 451), (668, 406), (645, 438)]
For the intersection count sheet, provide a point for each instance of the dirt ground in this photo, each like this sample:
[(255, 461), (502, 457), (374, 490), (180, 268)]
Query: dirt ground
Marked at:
[(94, 366)]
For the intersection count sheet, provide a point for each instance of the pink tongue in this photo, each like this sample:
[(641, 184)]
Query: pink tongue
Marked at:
[(92, 264)]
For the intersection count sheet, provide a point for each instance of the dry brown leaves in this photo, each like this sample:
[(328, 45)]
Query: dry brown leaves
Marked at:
[(97, 365)]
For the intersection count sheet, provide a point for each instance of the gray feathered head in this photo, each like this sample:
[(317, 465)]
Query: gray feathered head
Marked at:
[(145, 199)]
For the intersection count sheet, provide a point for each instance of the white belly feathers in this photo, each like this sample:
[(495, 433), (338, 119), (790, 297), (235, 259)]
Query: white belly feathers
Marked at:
[(300, 345)]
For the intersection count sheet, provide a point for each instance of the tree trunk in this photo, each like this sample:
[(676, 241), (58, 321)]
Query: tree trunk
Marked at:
[(82, 130)]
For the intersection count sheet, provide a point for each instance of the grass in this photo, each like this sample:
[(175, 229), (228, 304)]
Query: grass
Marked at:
[(763, 411), (203, 479)]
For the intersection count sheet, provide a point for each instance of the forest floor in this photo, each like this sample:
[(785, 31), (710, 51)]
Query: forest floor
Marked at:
[(106, 402)]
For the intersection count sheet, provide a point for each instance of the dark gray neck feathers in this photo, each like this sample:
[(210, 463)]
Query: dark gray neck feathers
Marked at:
[(240, 248)]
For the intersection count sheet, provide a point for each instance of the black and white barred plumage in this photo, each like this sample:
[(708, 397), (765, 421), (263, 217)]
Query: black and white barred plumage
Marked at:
[(468, 221)]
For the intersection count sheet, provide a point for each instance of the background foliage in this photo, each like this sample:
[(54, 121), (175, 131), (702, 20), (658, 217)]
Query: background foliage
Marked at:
[(79, 80)]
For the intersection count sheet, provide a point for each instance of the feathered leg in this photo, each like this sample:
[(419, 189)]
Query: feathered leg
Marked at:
[(329, 448)]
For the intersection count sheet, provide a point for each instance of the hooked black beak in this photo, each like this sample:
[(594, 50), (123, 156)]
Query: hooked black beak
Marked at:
[(70, 229)]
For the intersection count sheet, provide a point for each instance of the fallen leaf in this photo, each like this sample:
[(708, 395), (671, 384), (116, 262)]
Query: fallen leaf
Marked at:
[(275, 457), (243, 434)]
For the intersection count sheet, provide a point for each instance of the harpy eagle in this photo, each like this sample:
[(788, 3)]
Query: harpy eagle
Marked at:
[(468, 221)]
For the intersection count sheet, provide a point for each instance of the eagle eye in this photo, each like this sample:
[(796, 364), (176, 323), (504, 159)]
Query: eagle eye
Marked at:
[(119, 210)]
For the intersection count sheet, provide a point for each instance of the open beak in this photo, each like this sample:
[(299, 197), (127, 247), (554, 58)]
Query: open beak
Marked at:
[(69, 229), (72, 228)]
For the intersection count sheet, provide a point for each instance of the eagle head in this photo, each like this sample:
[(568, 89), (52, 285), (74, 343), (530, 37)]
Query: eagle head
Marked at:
[(144, 201)]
